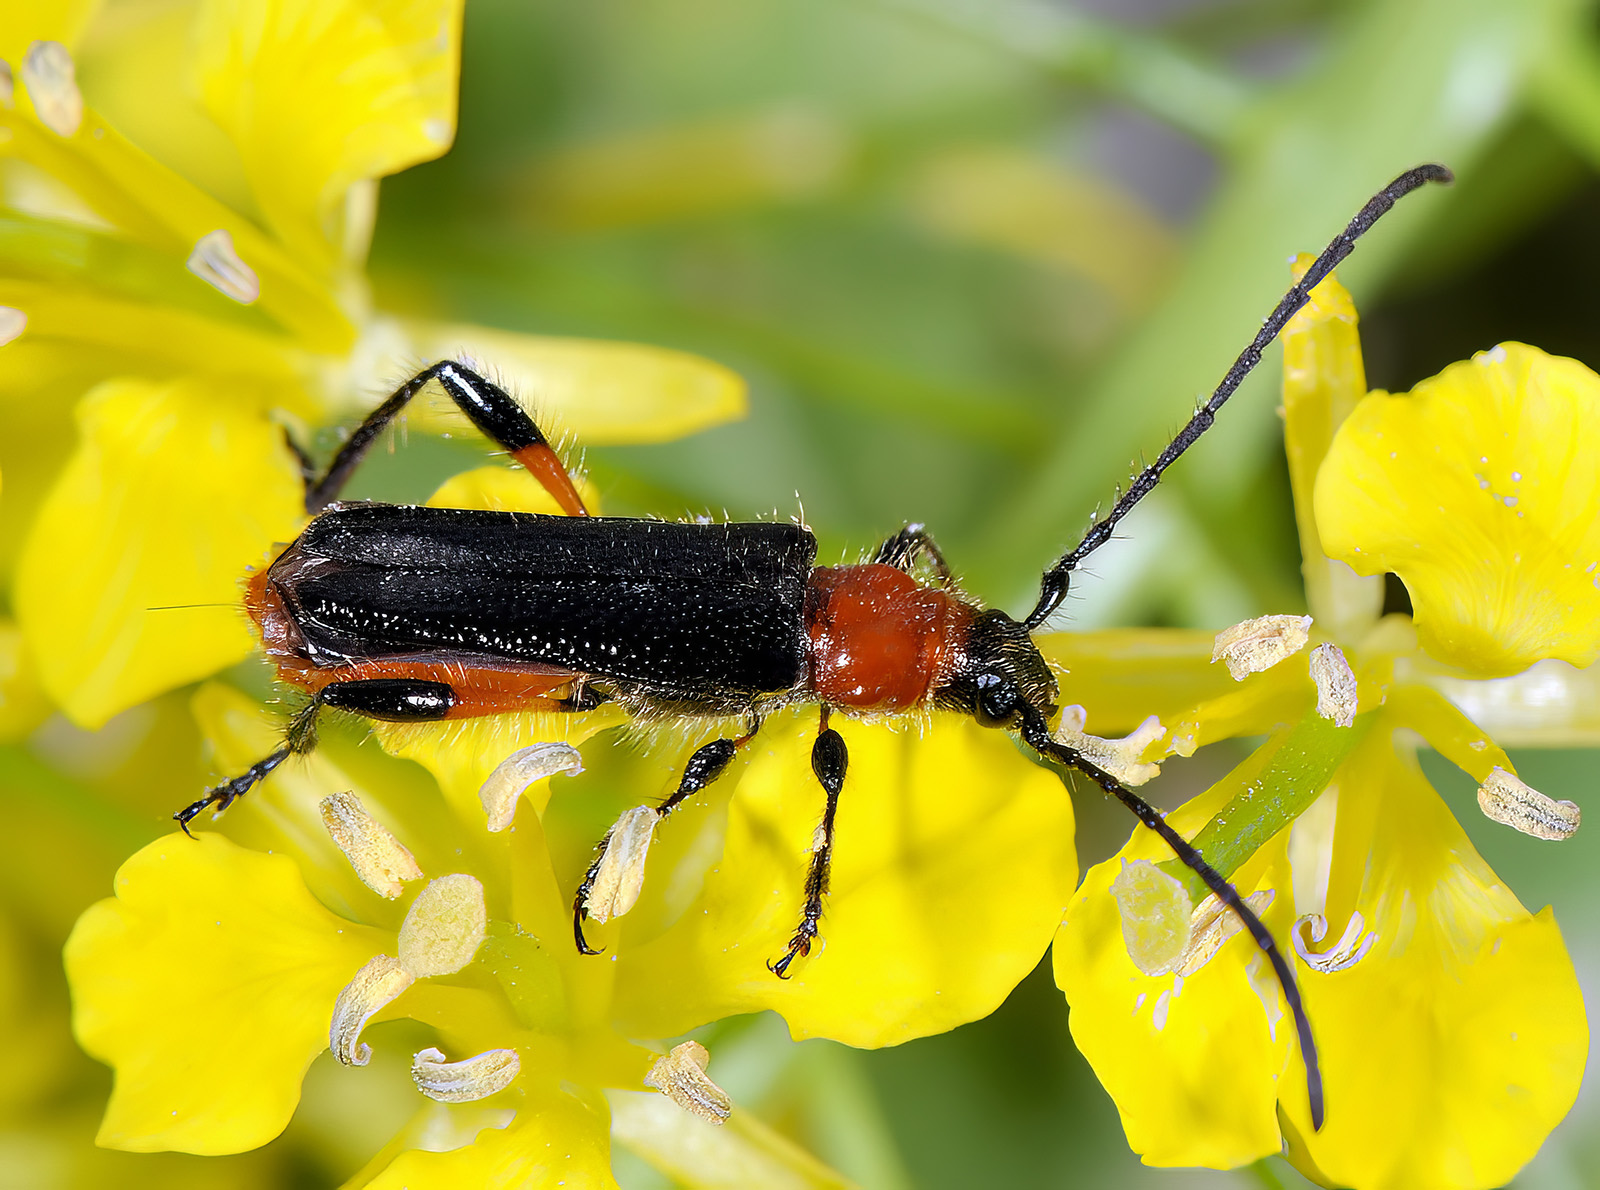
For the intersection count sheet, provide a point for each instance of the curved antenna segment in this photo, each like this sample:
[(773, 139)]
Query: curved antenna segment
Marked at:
[(1037, 735), (1053, 586)]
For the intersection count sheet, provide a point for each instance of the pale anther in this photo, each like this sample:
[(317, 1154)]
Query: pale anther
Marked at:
[(515, 773), (7, 86), (681, 1077), (620, 877), (1156, 911), (1212, 925), (378, 857), (1509, 802), (51, 79), (1259, 644), (375, 985), (1336, 684), (445, 926), (12, 323), (466, 1081), (1120, 757), (216, 263), (1351, 948)]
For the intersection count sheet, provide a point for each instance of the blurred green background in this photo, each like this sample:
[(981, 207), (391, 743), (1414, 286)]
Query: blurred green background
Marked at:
[(975, 258)]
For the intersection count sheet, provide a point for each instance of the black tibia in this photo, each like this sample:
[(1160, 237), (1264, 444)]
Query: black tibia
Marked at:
[(903, 549), (491, 408), (829, 760), (1037, 734), (704, 767), (396, 700), (300, 738), (1053, 586)]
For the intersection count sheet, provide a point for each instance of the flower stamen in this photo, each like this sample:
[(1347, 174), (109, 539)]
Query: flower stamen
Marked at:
[(1336, 684), (1156, 913), (513, 775), (1351, 948), (1509, 802), (1212, 925), (681, 1077), (1119, 757), (12, 323), (50, 76), (380, 859), (465, 1081), (1261, 643), (216, 263), (375, 986), (620, 876), (445, 926)]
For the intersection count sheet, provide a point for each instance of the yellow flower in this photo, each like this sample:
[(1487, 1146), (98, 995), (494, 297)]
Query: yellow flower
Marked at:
[(217, 974), (1448, 1018), (1479, 489), (173, 295)]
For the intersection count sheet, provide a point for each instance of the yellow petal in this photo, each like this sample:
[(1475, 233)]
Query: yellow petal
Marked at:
[(1455, 1045), (1479, 489), (1122, 675), (151, 205), (1323, 378), (207, 983), (172, 492), (554, 1141), (504, 489), (603, 392), (462, 753), (321, 94), (1192, 1063), (953, 859), (22, 22), (744, 1152)]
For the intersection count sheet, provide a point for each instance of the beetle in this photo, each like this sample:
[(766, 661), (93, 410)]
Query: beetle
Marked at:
[(411, 614)]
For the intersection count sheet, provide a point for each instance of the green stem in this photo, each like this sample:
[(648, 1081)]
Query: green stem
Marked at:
[(1278, 784)]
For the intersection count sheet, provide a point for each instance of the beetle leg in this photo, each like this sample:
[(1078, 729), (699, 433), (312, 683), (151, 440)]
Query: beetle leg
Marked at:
[(300, 738), (829, 760), (903, 549), (397, 700), (490, 408), (705, 766)]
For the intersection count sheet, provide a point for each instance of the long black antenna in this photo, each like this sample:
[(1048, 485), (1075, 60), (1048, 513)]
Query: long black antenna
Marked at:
[(1037, 734), (1053, 586)]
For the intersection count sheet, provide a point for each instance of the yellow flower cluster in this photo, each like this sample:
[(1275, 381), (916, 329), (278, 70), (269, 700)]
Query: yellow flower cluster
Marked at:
[(191, 195), (1449, 1020)]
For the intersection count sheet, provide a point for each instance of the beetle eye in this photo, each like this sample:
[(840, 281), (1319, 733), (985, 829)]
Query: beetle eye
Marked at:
[(997, 700)]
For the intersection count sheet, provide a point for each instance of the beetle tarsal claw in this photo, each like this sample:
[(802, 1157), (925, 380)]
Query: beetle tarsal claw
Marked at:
[(445, 926), (1120, 757), (1504, 798), (513, 775), (374, 987), (619, 876), (681, 1077), (380, 859), (1261, 643), (465, 1081)]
